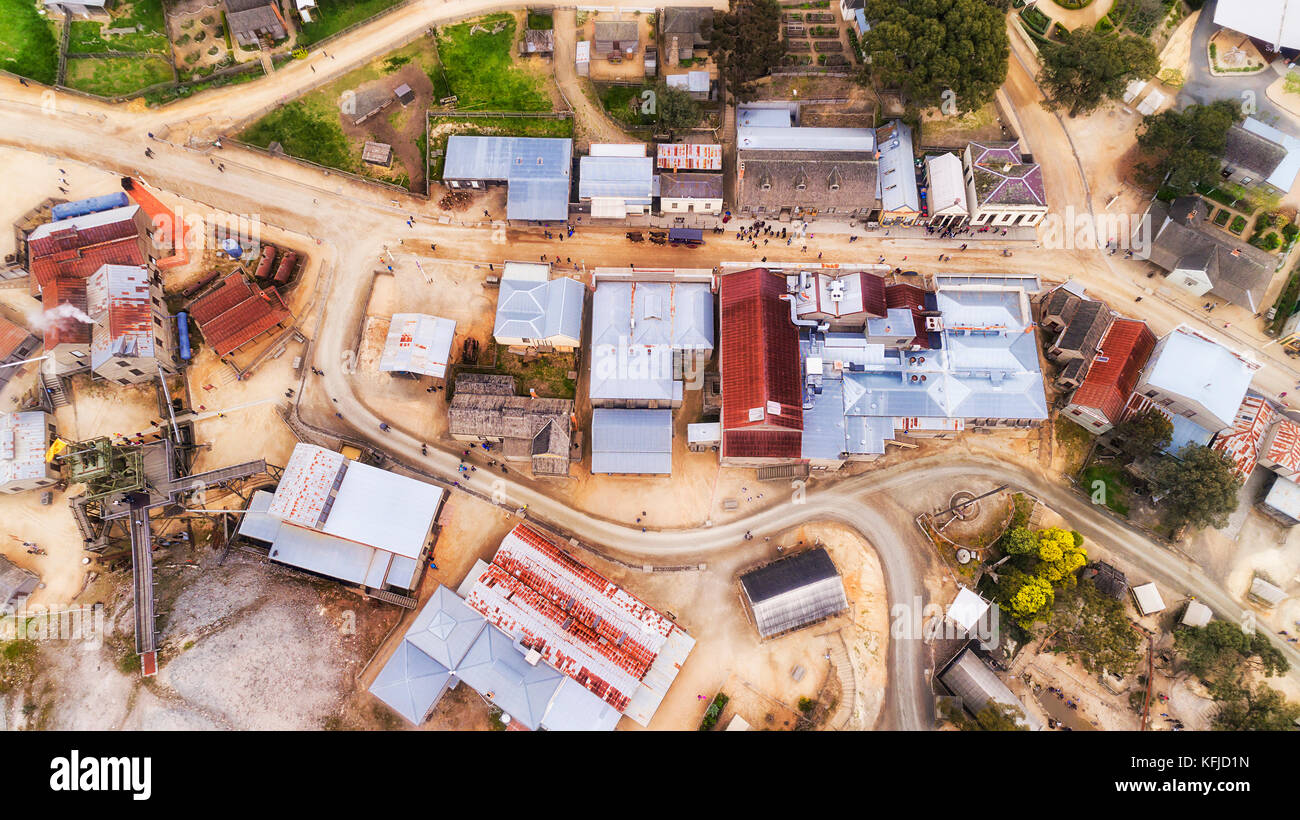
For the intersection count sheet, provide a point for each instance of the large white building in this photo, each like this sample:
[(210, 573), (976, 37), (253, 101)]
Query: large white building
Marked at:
[(346, 520), (1196, 378)]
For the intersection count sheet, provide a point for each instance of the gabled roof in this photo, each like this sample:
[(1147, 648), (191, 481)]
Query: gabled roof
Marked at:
[(845, 180), (1252, 152), (896, 178), (1187, 364), (793, 592), (1284, 445), (118, 299), (1238, 272), (418, 343), (1249, 428), (23, 440), (947, 193), (762, 404), (536, 170), (236, 312), (628, 441), (63, 326), (636, 326), (628, 178), (690, 186), (1115, 371), (1283, 175), (540, 310), (12, 337)]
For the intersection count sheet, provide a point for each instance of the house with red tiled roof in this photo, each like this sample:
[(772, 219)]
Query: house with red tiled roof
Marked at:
[(79, 246), (236, 312), (67, 327), (17, 344), (1098, 403), (762, 404)]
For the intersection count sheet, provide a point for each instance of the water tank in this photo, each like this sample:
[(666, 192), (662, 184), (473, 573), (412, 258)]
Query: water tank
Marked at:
[(93, 205), (230, 246), (268, 259), (285, 268), (183, 334)]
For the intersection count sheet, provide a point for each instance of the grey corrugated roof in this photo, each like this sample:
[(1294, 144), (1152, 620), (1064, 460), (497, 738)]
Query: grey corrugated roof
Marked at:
[(496, 668), (540, 310), (794, 591), (1239, 272), (411, 682), (970, 679), (445, 628), (631, 441), (628, 178), (536, 169), (690, 186), (896, 179), (845, 180), (14, 582)]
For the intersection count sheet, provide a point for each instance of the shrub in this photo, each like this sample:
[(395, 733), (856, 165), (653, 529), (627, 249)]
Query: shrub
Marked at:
[(714, 711)]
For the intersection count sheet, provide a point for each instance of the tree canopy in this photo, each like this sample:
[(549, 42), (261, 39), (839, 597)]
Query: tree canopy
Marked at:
[(1094, 629), (995, 717), (1222, 651), (926, 47), (1087, 67), (1144, 433), (746, 42), (1184, 148), (1258, 709), (1040, 563), (1198, 487), (676, 109)]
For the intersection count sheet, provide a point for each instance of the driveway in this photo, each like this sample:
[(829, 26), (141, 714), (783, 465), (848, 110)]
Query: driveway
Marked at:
[(1202, 87), (593, 124)]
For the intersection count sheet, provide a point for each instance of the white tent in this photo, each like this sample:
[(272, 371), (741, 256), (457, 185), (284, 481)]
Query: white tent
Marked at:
[(967, 609)]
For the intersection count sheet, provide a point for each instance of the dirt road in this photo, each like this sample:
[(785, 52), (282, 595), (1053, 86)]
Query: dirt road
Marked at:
[(593, 124)]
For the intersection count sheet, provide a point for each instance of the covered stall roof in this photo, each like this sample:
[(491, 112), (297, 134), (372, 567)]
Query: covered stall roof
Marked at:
[(970, 679), (793, 592), (1197, 614), (967, 609), (418, 343)]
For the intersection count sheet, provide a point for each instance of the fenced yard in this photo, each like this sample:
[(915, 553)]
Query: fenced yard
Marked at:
[(478, 57), (29, 43)]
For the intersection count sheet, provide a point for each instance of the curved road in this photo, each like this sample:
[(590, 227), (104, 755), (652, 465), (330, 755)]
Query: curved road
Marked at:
[(358, 220)]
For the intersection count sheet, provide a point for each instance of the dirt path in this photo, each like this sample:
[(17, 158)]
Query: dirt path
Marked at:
[(594, 124)]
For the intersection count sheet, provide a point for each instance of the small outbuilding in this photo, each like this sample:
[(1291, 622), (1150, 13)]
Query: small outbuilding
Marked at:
[(1147, 598), (1197, 614), (377, 153), (794, 592), (418, 345)]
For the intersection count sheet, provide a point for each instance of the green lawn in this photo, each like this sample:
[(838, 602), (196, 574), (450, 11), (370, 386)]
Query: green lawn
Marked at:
[(481, 71), (492, 126), (332, 16), (1114, 489), (29, 44), (86, 38), (116, 76), (623, 103), (305, 132)]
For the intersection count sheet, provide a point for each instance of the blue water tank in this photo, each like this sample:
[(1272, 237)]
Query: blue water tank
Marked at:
[(231, 248), (183, 334), (93, 205)]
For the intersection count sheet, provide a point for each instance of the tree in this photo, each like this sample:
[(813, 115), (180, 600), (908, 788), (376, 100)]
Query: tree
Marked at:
[(938, 50), (746, 42), (676, 109), (1199, 487), (1185, 147), (1088, 67), (1019, 541), (1093, 629), (1028, 596), (1259, 709), (1144, 433), (1059, 557), (995, 717), (1223, 652)]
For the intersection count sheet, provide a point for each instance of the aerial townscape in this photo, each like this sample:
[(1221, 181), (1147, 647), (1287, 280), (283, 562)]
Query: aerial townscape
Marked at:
[(713, 365)]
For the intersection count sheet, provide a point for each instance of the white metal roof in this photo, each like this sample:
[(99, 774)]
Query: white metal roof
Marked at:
[(1284, 496), (22, 446), (947, 187), (617, 149), (86, 221), (1148, 598), (1199, 369), (967, 609), (418, 343), (1276, 22), (383, 509), (1197, 614)]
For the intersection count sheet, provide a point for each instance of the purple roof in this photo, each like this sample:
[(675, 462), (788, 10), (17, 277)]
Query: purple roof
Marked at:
[(1002, 177)]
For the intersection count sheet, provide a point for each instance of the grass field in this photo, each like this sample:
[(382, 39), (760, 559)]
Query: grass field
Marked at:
[(29, 44), (623, 103), (481, 71), (85, 37), (311, 128), (332, 16), (1113, 485), (116, 76), (491, 127)]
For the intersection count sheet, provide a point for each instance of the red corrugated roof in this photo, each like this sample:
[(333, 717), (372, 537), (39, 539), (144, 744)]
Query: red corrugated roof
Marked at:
[(81, 262), (66, 330), (913, 298), (873, 294), (237, 312), (1284, 449), (759, 360), (11, 337), (1124, 352)]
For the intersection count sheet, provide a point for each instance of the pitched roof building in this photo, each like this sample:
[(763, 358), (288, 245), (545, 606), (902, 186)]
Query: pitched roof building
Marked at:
[(615, 186), (536, 311), (1202, 258), (570, 616), (794, 592), (762, 407), (346, 520), (615, 35), (25, 437), (1194, 377), (78, 246), (686, 29), (236, 312), (418, 345), (631, 442), (484, 407), (1001, 188), (1246, 442), (132, 335), (900, 201), (535, 171), (17, 344), (251, 20), (971, 679), (16, 586), (1098, 402)]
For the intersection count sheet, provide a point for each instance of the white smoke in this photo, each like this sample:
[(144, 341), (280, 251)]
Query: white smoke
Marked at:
[(44, 321)]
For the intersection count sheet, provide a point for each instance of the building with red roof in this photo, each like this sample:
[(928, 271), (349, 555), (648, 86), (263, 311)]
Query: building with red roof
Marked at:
[(1281, 449), (1098, 403), (132, 335), (17, 343), (762, 399), (67, 329), (236, 312), (79, 246)]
